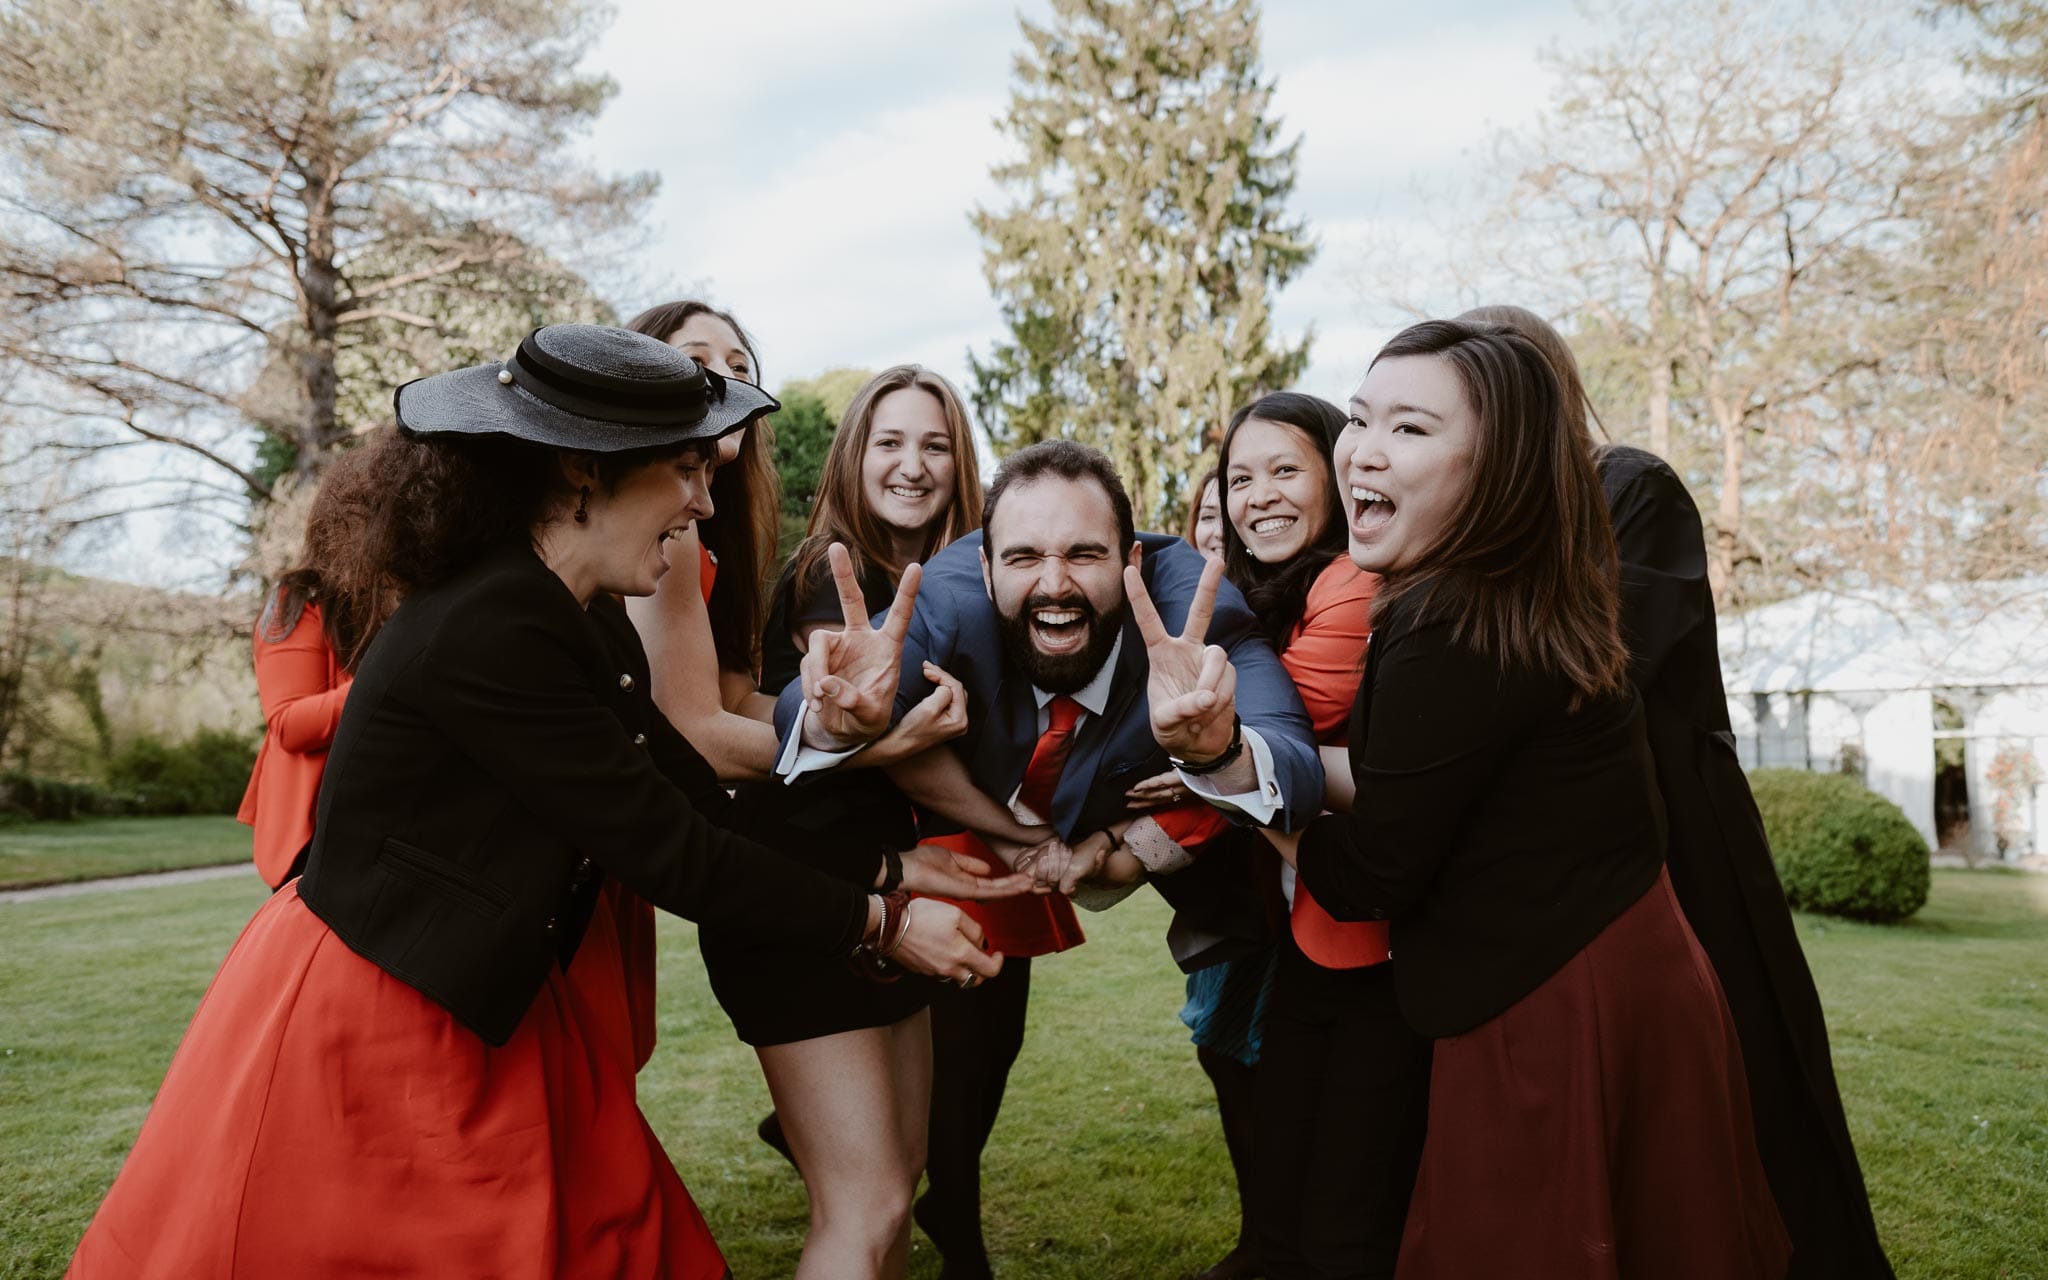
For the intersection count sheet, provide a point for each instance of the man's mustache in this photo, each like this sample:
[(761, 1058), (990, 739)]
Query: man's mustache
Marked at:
[(1033, 604)]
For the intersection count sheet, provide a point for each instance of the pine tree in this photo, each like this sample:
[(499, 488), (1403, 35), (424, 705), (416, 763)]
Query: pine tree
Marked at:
[(1136, 265)]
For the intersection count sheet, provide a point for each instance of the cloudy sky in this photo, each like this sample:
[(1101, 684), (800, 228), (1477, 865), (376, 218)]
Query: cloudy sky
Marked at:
[(818, 158), (818, 161)]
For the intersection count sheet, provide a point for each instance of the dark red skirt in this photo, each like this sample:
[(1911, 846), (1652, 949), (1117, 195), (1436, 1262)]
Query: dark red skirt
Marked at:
[(324, 1119), (1599, 1129)]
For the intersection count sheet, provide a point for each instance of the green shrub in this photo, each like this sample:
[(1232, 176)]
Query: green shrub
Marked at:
[(206, 773), (26, 798), (1841, 848)]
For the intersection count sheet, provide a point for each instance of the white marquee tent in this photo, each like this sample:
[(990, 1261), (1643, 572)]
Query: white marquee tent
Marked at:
[(1834, 680)]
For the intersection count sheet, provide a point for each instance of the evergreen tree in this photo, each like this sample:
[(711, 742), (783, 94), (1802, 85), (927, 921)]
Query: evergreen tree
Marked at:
[(1148, 231)]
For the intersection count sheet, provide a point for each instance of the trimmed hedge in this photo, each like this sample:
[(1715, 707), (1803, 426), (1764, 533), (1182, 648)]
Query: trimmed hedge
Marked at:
[(1841, 849), (26, 798), (206, 773)]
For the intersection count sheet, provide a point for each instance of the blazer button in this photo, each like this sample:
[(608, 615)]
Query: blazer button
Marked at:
[(626, 683), (639, 739), (551, 928), (583, 867)]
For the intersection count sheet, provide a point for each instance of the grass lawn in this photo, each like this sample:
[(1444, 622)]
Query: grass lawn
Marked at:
[(89, 848), (1107, 1161)]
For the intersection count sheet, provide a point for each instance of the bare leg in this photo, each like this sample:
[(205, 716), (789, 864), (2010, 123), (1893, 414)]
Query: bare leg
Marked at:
[(853, 1107)]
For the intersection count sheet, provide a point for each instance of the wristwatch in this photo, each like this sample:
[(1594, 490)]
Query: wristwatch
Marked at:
[(1230, 753)]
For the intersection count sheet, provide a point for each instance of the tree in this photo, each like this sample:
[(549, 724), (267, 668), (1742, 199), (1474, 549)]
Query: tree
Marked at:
[(1720, 199), (217, 194), (1980, 282), (809, 418), (1135, 267)]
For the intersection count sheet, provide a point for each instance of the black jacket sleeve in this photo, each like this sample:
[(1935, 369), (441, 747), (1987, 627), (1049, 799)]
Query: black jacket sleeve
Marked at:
[(1442, 721), (516, 696)]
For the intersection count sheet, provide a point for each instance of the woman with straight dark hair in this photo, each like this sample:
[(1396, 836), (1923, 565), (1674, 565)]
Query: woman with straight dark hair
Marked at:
[(1587, 1111), (314, 627), (1719, 857), (413, 1061), (1342, 1083)]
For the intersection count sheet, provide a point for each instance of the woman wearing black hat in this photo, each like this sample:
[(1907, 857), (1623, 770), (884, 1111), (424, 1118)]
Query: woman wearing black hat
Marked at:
[(398, 1070)]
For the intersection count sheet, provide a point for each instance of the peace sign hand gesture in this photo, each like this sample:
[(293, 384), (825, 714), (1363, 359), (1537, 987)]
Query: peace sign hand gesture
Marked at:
[(849, 676), (1193, 687)]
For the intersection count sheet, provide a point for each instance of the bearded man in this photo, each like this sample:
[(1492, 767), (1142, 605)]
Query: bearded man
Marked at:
[(1074, 696)]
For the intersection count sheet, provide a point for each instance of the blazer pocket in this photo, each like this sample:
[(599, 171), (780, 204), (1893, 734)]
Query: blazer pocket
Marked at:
[(450, 880)]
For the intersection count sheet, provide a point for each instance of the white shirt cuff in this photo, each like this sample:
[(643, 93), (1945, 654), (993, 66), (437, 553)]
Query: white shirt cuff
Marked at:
[(796, 759), (1259, 805)]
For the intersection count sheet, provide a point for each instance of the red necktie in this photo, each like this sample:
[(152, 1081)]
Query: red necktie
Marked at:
[(1042, 775), (1029, 925)]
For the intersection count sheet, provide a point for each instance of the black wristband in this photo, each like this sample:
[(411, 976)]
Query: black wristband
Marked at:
[(892, 872), (1230, 753)]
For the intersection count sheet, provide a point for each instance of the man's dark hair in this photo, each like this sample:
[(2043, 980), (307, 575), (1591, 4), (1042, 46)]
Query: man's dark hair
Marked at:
[(1067, 461)]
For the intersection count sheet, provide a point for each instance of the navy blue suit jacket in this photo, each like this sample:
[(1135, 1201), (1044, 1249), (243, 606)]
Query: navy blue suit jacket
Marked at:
[(955, 627)]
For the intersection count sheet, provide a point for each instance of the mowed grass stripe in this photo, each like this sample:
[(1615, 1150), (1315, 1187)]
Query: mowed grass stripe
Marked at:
[(1107, 1161)]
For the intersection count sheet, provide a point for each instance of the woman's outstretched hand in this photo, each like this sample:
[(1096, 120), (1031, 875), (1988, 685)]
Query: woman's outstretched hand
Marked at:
[(942, 941), (849, 676), (938, 871)]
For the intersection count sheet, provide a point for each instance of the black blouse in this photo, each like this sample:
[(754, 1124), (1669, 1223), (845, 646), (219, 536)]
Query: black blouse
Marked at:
[(1498, 830), (840, 821)]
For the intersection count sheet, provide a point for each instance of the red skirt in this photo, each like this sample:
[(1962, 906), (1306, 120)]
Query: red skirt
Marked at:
[(324, 1119), (1599, 1129)]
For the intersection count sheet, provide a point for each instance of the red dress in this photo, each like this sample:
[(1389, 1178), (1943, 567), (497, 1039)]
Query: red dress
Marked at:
[(303, 688), (323, 1119)]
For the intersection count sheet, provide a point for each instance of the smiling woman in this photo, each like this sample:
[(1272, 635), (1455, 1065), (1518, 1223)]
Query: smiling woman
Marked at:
[(498, 758)]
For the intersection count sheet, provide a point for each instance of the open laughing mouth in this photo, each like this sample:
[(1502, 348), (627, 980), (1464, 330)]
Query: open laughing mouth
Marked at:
[(1272, 526), (1371, 512), (1058, 631)]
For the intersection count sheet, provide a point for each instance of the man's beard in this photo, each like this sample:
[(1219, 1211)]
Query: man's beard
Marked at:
[(1061, 672)]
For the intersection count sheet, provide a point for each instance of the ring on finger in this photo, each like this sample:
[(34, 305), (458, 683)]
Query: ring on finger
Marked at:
[(969, 982)]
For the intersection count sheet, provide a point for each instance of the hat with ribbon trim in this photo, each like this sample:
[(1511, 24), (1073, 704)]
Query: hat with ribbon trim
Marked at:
[(585, 387)]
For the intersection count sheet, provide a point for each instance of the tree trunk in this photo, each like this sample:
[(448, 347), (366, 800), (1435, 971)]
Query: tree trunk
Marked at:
[(1660, 405), (319, 294), (1728, 505)]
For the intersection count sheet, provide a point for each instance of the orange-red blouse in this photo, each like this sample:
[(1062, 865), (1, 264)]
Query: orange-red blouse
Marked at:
[(1326, 657), (302, 687)]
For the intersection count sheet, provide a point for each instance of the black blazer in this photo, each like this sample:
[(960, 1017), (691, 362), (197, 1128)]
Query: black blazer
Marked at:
[(1498, 831), (498, 754)]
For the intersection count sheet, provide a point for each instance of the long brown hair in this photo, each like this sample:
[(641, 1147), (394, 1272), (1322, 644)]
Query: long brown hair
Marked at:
[(1278, 593), (746, 496), (332, 569), (1578, 406), (1525, 569), (842, 515)]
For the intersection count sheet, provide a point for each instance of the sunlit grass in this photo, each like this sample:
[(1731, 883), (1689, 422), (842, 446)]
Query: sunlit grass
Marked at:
[(1107, 1161), (91, 848)]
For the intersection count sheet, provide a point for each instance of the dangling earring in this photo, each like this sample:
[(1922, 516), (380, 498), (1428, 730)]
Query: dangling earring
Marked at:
[(583, 507)]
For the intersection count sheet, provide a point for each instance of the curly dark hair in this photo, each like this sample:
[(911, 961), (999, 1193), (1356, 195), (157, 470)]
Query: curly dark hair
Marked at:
[(1278, 593), (353, 603), (439, 502)]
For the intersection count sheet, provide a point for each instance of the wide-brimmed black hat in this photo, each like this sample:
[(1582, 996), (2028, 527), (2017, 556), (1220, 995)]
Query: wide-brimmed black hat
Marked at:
[(585, 387)]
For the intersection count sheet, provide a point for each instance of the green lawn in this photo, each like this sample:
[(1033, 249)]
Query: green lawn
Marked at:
[(1107, 1162), (91, 848)]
